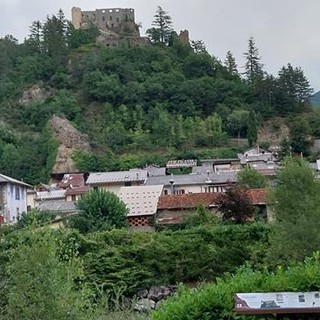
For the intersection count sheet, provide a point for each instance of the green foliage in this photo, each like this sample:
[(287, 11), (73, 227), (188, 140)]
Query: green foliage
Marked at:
[(80, 37), (120, 260), (40, 284), (90, 162), (231, 65), (50, 146), (295, 202), (252, 132), (216, 300), (253, 68), (249, 178), (161, 31), (285, 150), (135, 98), (300, 135), (293, 92), (238, 122), (115, 263), (202, 217), (235, 205), (35, 218), (99, 210)]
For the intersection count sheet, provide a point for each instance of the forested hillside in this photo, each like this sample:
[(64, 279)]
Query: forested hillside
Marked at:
[(163, 95)]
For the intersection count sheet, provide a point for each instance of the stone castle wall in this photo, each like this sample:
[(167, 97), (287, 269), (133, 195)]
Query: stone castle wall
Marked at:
[(103, 18)]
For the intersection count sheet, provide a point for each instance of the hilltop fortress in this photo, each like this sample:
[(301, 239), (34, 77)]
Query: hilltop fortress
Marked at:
[(114, 24), (105, 19)]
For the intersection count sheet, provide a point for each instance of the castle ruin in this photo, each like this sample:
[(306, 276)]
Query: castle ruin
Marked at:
[(107, 19), (114, 24)]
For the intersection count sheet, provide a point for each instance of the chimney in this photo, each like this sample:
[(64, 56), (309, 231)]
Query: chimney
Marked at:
[(172, 185)]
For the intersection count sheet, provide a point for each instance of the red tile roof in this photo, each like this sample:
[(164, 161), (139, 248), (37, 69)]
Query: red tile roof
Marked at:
[(77, 190), (72, 180), (191, 200)]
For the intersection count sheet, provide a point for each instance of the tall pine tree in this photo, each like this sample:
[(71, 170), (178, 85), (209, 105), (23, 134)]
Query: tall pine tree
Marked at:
[(253, 67), (230, 64), (162, 27)]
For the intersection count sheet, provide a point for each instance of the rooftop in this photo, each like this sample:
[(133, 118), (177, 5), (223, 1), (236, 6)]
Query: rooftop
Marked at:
[(4, 178), (141, 200), (58, 206), (117, 176), (72, 180), (194, 179), (50, 195), (77, 190), (191, 200)]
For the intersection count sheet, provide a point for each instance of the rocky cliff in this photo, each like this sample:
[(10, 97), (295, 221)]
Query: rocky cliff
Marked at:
[(70, 139), (273, 131)]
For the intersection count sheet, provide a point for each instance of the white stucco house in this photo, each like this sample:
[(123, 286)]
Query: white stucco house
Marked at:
[(13, 198)]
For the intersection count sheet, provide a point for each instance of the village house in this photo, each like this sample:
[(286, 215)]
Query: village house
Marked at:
[(218, 165), (194, 183), (13, 198), (113, 181), (142, 203), (262, 160), (172, 209)]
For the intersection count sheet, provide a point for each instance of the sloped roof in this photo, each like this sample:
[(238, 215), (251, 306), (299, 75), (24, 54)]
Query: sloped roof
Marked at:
[(257, 196), (4, 178), (46, 187), (141, 200), (191, 200), (77, 190), (47, 195), (58, 205), (194, 179), (72, 179), (116, 177)]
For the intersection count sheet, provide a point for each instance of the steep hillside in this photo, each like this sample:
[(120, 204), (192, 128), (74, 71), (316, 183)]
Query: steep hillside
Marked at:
[(129, 99), (315, 99)]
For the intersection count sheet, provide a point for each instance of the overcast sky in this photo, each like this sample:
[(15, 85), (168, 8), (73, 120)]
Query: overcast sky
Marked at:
[(284, 30)]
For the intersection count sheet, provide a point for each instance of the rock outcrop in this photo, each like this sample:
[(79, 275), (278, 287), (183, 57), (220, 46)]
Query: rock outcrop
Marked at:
[(37, 93), (70, 139), (273, 131), (153, 298)]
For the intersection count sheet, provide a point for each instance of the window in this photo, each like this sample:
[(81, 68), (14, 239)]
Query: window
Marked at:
[(117, 19), (127, 184), (179, 191), (28, 208), (165, 192), (73, 197), (110, 18), (103, 18), (17, 193)]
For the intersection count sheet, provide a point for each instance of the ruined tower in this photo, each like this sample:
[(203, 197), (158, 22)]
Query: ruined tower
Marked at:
[(104, 19)]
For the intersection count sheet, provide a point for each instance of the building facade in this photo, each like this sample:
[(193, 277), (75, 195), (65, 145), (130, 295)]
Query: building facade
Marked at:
[(13, 198)]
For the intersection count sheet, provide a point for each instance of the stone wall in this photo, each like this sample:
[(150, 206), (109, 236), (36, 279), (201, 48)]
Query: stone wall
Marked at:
[(103, 18)]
